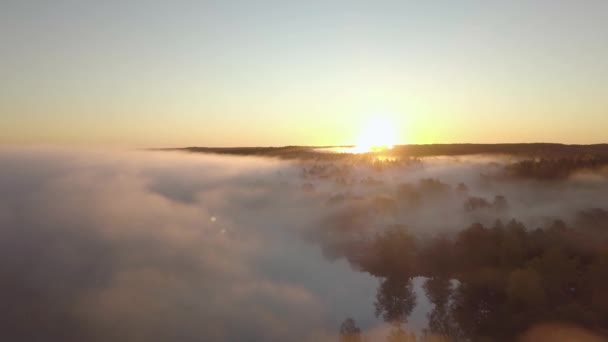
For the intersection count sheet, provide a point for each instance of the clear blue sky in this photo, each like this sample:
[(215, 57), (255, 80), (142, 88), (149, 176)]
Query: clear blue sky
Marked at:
[(171, 73)]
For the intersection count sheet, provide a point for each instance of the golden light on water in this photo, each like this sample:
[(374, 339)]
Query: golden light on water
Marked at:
[(377, 134)]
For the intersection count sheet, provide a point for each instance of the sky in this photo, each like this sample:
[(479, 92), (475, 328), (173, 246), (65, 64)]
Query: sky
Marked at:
[(273, 73)]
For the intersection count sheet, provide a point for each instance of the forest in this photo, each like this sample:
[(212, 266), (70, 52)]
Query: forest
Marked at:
[(491, 283)]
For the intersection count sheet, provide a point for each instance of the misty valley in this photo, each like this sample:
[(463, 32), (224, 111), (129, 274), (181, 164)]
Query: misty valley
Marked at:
[(305, 245)]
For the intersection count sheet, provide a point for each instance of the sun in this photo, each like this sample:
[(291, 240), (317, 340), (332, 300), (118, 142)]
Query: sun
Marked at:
[(378, 134)]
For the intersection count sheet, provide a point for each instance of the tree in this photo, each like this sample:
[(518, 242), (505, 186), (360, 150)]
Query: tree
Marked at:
[(395, 300), (349, 331)]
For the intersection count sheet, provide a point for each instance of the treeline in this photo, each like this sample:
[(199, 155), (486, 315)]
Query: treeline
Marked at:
[(492, 283), (528, 150), (553, 169), (532, 150), (541, 161)]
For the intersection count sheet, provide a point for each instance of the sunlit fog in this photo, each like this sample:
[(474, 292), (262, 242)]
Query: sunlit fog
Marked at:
[(171, 245)]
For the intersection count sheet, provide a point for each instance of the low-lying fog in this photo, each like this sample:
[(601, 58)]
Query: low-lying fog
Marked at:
[(168, 246)]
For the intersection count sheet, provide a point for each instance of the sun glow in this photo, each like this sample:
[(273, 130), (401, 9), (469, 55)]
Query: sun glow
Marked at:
[(377, 135)]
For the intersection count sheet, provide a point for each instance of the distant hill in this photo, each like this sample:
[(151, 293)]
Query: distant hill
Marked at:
[(527, 150)]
